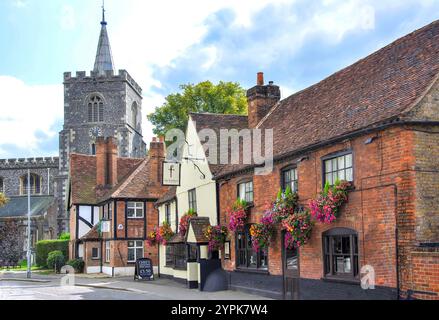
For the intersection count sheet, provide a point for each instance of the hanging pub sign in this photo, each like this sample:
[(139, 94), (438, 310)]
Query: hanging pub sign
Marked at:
[(171, 174), (144, 270)]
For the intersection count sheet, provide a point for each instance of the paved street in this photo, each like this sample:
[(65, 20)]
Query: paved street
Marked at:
[(14, 286)]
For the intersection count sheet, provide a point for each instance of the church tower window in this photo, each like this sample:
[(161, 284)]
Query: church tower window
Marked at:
[(95, 109), (134, 115), (2, 188), (35, 184)]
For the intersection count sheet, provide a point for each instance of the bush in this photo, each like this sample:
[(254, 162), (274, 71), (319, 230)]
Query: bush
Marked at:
[(77, 264), (64, 236), (56, 260), (44, 247), (22, 263)]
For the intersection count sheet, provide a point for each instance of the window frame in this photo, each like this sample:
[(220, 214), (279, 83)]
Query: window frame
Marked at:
[(180, 256), (192, 201), (246, 191), (336, 155), (93, 256), (247, 250), (135, 247), (95, 109), (283, 181), (168, 213), (169, 256), (107, 251), (137, 206), (328, 254), (2, 185), (35, 177)]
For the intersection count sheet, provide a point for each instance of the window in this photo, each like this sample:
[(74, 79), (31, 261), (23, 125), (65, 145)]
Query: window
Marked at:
[(93, 149), (341, 253), (107, 251), (338, 168), (246, 256), (134, 115), (180, 256), (95, 109), (2, 187), (35, 184), (95, 253), (192, 199), (245, 191), (289, 179), (169, 256), (135, 250), (168, 213), (110, 210), (192, 252), (135, 210)]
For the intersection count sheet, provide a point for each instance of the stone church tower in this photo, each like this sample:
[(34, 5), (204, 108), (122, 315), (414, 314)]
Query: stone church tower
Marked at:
[(104, 103)]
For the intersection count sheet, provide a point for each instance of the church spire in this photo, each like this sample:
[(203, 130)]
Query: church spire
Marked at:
[(104, 58)]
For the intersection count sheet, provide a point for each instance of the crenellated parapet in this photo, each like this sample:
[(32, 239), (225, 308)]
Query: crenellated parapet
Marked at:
[(24, 163), (82, 76)]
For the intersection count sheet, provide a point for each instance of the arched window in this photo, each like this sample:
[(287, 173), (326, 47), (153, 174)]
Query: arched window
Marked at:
[(35, 184), (2, 187), (340, 253), (95, 109), (134, 115)]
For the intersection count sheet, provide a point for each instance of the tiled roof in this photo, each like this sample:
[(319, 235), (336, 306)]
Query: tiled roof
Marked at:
[(17, 206), (93, 234), (199, 225), (168, 196), (83, 177), (377, 89)]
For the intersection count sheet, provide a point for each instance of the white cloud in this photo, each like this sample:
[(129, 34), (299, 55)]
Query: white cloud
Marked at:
[(28, 112), (19, 3), (68, 18)]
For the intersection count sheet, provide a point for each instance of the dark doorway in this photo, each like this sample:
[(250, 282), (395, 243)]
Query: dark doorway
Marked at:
[(291, 271)]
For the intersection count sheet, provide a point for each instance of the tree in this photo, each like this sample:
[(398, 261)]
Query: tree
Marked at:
[(11, 244), (225, 98)]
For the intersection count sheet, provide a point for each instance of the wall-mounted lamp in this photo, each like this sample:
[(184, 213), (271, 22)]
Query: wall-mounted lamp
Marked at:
[(370, 140), (302, 159)]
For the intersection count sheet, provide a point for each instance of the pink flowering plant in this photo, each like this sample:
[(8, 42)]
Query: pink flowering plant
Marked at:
[(298, 227), (262, 232), (326, 207), (184, 221), (237, 216), (217, 236), (284, 206), (160, 235)]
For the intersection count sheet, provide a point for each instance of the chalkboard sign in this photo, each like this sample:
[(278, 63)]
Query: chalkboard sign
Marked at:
[(144, 270)]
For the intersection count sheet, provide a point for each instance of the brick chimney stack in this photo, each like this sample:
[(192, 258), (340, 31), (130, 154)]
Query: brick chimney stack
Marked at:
[(106, 161), (157, 156), (261, 99)]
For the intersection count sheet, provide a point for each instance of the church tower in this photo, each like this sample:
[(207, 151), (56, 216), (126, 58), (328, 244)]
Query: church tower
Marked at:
[(101, 104)]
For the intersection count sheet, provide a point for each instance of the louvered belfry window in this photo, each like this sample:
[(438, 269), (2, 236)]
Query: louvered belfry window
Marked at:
[(95, 109)]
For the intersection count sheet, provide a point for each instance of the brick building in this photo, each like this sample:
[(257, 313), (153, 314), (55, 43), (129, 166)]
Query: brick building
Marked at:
[(375, 124), (111, 203)]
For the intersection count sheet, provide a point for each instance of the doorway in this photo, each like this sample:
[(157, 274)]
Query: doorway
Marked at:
[(291, 272)]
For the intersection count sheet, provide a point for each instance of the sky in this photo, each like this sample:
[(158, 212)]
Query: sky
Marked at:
[(166, 43)]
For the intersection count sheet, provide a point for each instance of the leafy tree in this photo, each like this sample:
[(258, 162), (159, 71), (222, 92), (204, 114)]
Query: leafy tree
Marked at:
[(11, 244), (64, 236), (225, 98)]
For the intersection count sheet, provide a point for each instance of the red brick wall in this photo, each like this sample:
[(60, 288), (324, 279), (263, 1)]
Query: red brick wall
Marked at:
[(425, 274), (384, 196)]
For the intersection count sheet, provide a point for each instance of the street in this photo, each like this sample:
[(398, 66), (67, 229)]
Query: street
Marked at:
[(15, 286)]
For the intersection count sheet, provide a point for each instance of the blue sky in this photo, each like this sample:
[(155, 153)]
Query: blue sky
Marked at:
[(167, 43)]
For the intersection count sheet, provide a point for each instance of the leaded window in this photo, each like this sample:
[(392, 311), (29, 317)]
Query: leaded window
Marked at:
[(180, 256), (95, 109), (34, 184)]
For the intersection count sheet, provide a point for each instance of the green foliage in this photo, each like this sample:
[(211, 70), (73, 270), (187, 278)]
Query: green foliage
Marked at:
[(64, 236), (56, 260), (22, 263), (77, 264), (240, 203), (45, 246), (224, 98)]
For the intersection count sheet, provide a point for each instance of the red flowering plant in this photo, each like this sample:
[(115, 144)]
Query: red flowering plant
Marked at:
[(160, 235), (237, 215), (326, 207), (262, 232), (298, 227), (217, 236), (184, 221)]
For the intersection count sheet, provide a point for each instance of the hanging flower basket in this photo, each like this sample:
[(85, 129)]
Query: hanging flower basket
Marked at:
[(325, 208), (217, 236), (261, 234), (284, 205), (298, 229), (237, 216), (151, 239), (160, 235), (184, 222)]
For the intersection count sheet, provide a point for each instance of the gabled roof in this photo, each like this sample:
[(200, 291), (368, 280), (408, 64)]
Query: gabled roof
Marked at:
[(168, 196), (378, 89), (17, 206), (93, 234), (83, 178), (199, 226)]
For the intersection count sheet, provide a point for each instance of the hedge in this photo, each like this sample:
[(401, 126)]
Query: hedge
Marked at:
[(45, 246)]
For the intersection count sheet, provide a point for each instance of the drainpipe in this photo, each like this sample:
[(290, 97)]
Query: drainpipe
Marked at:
[(217, 203)]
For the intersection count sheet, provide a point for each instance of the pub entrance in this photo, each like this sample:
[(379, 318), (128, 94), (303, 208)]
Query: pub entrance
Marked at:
[(291, 272)]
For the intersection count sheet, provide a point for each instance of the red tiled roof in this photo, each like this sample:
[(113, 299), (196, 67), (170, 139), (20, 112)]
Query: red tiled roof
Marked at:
[(380, 88), (83, 177)]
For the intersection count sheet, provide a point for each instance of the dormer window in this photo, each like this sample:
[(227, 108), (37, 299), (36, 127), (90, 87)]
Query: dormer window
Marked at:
[(95, 109)]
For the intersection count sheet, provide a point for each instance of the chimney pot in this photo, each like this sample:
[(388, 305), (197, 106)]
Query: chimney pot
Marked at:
[(154, 139), (260, 81), (271, 83)]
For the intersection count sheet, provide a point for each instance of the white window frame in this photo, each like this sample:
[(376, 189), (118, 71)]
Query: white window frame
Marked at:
[(136, 244), (138, 208), (107, 251), (339, 167), (244, 187), (96, 257)]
